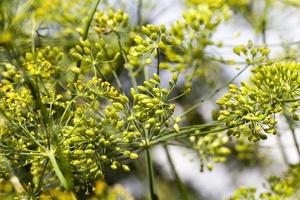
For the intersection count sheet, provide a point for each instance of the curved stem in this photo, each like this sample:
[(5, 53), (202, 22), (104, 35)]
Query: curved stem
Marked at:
[(88, 24), (57, 170)]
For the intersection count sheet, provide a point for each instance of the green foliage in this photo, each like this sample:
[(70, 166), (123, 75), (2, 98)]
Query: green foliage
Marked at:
[(80, 102)]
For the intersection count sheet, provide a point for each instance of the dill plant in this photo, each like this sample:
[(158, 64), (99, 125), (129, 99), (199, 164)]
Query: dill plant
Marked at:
[(88, 97)]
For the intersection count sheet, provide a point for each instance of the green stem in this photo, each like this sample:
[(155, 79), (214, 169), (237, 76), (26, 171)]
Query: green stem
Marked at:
[(292, 128), (158, 61), (89, 22), (150, 175), (86, 32), (173, 135), (39, 185), (213, 93), (283, 154), (57, 170), (179, 183), (264, 22), (295, 141), (146, 72), (117, 79), (139, 12), (131, 75)]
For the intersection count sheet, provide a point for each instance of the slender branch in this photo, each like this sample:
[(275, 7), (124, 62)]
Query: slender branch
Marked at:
[(292, 128), (57, 170), (213, 93), (281, 147), (183, 134), (89, 22), (289, 100), (37, 190), (295, 141), (158, 61), (131, 75), (150, 174), (139, 12), (86, 32), (264, 24), (179, 183), (117, 79)]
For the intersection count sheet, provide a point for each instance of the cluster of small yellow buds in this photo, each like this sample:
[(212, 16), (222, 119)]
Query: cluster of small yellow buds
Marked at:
[(210, 148), (9, 72), (99, 133), (190, 37), (14, 101), (154, 37), (251, 108), (151, 107), (113, 21), (81, 50), (44, 62), (252, 54), (280, 81), (91, 55), (244, 112)]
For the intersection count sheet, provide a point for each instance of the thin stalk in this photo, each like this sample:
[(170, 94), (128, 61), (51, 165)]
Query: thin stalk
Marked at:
[(264, 22), (183, 134), (153, 196), (86, 32), (281, 148), (146, 73), (295, 141), (139, 12), (158, 61), (57, 170), (213, 93), (131, 75), (289, 100), (292, 128), (33, 33), (179, 183), (38, 188), (89, 22), (117, 79), (190, 128)]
